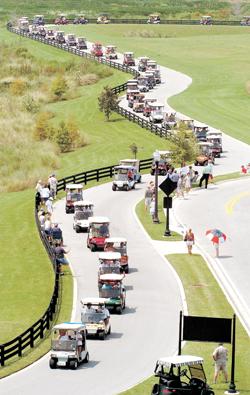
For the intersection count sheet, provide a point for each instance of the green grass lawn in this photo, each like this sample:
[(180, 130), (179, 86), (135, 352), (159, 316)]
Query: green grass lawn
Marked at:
[(205, 298), (216, 57)]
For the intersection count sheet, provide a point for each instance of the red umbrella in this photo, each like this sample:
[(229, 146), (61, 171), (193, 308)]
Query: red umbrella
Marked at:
[(216, 236)]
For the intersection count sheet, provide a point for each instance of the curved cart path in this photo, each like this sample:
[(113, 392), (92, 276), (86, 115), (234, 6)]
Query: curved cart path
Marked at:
[(149, 326)]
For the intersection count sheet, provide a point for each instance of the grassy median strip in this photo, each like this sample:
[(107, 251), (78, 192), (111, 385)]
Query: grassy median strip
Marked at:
[(205, 298)]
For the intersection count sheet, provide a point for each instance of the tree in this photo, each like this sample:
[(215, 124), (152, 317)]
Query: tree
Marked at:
[(186, 147), (63, 137), (59, 87), (107, 101), (42, 123), (134, 149)]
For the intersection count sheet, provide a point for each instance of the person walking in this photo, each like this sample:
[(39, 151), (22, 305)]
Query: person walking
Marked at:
[(205, 175), (220, 355), (180, 186), (189, 239), (52, 182), (216, 246), (148, 197), (49, 205), (187, 183)]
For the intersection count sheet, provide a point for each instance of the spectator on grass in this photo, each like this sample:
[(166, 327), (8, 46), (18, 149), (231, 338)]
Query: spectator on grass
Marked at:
[(39, 186), (52, 182)]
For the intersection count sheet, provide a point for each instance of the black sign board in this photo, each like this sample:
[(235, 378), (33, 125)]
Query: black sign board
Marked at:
[(167, 202), (168, 186), (207, 329)]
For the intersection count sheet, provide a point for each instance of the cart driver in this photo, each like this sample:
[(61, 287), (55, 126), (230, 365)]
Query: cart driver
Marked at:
[(63, 335), (109, 247), (102, 309), (130, 176), (88, 309), (104, 230)]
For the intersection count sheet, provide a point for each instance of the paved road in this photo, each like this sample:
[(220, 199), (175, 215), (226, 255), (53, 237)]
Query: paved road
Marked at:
[(147, 329), (225, 206)]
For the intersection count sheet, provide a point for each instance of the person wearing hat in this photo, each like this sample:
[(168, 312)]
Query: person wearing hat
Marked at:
[(49, 205)]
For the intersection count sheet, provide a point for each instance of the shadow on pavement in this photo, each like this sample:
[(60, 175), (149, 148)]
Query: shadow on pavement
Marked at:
[(90, 364), (129, 310)]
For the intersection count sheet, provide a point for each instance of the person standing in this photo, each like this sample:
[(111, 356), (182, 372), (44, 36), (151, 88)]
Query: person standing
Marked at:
[(180, 186), (52, 181), (189, 239), (187, 183), (148, 197), (205, 175), (216, 246), (49, 205), (220, 357)]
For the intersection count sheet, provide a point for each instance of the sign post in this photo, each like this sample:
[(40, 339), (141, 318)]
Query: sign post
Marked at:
[(168, 186)]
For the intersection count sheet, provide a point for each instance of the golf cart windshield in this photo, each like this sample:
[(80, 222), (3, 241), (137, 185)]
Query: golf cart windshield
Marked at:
[(197, 372), (121, 174), (106, 292), (93, 317), (79, 215), (74, 196), (63, 345), (99, 230), (107, 269)]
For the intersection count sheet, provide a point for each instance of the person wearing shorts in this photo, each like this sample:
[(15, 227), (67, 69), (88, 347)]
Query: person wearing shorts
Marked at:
[(220, 358), (189, 239)]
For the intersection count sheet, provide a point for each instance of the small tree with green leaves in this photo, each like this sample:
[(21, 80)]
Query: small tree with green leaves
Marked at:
[(186, 147), (63, 137), (59, 87), (107, 101), (134, 149)]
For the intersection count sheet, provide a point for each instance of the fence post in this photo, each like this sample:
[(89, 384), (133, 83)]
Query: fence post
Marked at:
[(41, 328), (48, 318), (2, 355), (19, 346), (31, 337), (97, 175)]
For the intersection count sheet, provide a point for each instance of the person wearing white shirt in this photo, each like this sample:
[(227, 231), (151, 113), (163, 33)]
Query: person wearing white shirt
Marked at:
[(45, 193)]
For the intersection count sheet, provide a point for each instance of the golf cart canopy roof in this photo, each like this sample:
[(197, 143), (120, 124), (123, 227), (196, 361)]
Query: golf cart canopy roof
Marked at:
[(111, 277), (110, 255), (111, 46), (206, 16), (143, 58), (124, 167), (116, 240), (205, 143), (99, 220), (93, 301), (156, 104), (83, 203), (74, 186), (130, 160), (129, 53), (75, 326), (180, 360)]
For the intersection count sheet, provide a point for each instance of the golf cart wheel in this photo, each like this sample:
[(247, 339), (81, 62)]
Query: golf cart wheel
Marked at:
[(152, 172), (109, 331), (92, 247), (86, 359), (126, 270), (133, 187), (155, 390), (73, 364), (52, 363), (101, 336), (139, 181), (67, 210), (113, 187), (126, 188), (77, 229), (119, 310)]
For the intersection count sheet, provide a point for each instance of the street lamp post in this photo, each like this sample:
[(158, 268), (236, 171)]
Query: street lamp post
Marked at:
[(156, 156)]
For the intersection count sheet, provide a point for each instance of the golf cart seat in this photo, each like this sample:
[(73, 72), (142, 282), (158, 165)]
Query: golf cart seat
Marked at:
[(174, 383)]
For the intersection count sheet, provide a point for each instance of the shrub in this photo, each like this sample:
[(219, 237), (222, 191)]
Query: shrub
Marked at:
[(30, 104), (86, 79), (17, 87), (107, 101), (59, 87), (42, 126), (63, 138)]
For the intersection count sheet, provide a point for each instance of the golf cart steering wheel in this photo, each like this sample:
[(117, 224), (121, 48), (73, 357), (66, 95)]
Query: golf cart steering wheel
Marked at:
[(183, 372)]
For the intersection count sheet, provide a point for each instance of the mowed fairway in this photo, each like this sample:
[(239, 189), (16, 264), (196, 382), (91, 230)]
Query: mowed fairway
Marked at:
[(216, 57)]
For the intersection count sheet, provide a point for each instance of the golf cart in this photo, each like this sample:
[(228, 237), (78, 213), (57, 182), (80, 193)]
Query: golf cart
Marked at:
[(151, 78), (138, 107), (135, 163), (124, 178), (23, 24), (38, 20), (96, 49), (113, 290), (109, 262), (200, 131), (245, 21), (81, 43), (59, 37), (110, 52), (137, 97), (152, 66), (181, 374), (163, 165), (142, 63), (42, 31), (156, 114), (97, 323), (128, 59), (61, 20), (103, 19), (143, 85), (80, 20), (217, 144), (65, 348), (188, 123), (70, 40), (154, 19), (98, 232), (206, 20), (34, 30), (132, 87), (73, 194), (118, 244), (147, 107), (83, 210), (50, 35), (206, 154), (170, 120)]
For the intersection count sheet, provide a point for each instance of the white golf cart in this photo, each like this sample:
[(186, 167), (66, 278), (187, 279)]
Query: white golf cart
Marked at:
[(112, 289), (118, 244), (181, 374), (68, 347), (135, 163), (152, 66), (110, 52), (83, 210), (142, 63), (73, 194), (156, 115), (109, 262), (97, 318), (124, 178)]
